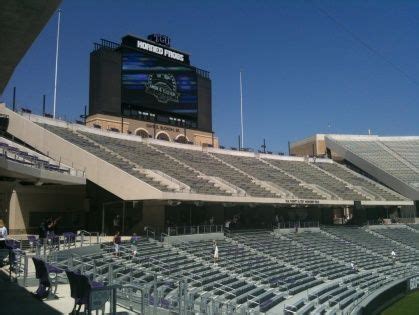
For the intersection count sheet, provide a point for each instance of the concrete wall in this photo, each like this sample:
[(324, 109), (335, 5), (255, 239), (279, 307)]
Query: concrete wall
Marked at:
[(22, 205), (153, 129), (153, 213), (314, 145)]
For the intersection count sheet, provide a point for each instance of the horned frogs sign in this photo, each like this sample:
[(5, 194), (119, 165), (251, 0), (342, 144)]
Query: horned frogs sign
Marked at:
[(160, 51)]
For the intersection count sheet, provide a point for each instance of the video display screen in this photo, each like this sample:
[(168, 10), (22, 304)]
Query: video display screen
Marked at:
[(157, 84)]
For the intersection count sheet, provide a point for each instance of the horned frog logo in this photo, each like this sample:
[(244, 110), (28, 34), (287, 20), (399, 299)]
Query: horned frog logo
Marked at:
[(163, 87)]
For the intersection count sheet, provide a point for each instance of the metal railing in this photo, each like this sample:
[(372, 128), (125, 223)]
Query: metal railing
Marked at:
[(194, 229), (83, 234), (298, 224), (390, 221)]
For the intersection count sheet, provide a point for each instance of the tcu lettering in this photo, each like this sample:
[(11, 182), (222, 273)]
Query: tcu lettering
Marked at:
[(160, 39)]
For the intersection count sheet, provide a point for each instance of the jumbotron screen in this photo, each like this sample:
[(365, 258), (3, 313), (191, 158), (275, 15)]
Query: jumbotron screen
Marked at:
[(157, 84)]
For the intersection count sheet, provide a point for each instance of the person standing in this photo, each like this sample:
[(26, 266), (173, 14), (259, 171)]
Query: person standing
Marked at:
[(42, 232), (215, 250), (116, 243), (393, 256), (3, 234)]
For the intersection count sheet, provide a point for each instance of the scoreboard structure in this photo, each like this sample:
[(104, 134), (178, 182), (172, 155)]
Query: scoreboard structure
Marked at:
[(146, 87)]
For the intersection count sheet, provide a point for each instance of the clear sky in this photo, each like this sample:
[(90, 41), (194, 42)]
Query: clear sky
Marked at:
[(303, 72)]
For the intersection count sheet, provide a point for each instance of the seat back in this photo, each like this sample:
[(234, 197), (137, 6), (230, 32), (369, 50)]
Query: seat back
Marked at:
[(135, 239), (32, 238), (69, 237), (12, 244), (73, 280), (41, 271), (85, 288)]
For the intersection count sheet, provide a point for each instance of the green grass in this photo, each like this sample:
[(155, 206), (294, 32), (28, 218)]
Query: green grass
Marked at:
[(409, 305)]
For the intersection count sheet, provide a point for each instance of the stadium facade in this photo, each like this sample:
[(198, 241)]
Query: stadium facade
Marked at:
[(86, 175), (156, 181)]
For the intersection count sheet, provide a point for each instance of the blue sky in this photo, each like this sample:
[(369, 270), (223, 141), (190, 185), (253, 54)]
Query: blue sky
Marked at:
[(302, 73)]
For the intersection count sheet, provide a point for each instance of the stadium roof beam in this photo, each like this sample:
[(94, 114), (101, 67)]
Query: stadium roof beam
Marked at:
[(20, 23)]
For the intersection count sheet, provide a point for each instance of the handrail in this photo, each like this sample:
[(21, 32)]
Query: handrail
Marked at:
[(151, 231), (190, 229), (299, 224), (83, 233)]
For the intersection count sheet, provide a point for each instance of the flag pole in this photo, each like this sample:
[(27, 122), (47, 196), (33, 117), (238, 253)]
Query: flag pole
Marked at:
[(241, 111), (56, 62)]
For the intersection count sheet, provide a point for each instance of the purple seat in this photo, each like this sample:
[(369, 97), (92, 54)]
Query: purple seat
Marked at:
[(12, 244), (42, 272), (81, 288), (53, 269), (69, 238)]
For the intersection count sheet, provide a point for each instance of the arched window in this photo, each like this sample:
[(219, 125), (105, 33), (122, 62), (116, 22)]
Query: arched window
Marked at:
[(181, 139), (163, 136), (142, 133)]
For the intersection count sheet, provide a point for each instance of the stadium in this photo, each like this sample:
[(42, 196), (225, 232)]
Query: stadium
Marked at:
[(139, 209)]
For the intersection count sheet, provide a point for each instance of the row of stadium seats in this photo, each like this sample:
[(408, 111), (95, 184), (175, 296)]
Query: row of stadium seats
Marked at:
[(203, 278), (414, 226), (382, 156), (409, 150), (213, 167), (253, 265), (263, 171), (286, 249), (312, 175), (28, 157), (359, 181), (339, 249), (148, 157), (402, 235), (260, 271), (372, 242), (255, 176)]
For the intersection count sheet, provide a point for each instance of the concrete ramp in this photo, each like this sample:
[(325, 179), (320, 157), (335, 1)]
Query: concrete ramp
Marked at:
[(99, 171)]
